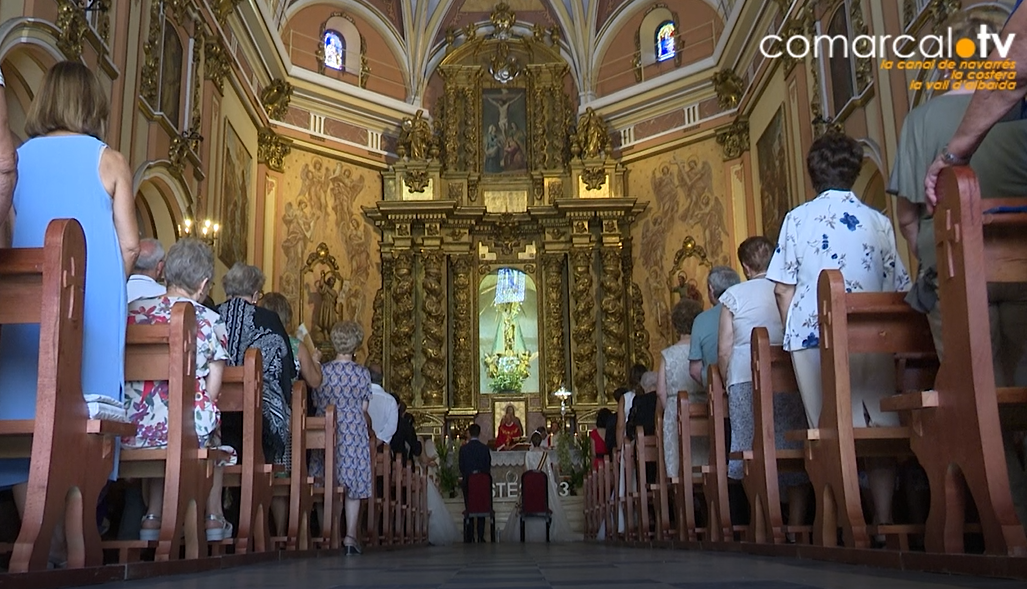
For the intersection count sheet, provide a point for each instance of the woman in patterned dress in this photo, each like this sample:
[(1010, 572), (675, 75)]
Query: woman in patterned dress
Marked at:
[(189, 270), (307, 367), (673, 378), (347, 385), (250, 326)]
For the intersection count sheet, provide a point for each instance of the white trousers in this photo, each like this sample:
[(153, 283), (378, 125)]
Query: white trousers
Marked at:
[(873, 378)]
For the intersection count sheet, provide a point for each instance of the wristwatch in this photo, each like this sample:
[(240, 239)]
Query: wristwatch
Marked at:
[(952, 159)]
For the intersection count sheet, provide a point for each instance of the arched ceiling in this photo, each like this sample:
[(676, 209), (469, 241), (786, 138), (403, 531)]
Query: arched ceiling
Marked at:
[(417, 27)]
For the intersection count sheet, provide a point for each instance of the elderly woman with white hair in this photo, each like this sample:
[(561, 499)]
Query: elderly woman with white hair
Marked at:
[(250, 326), (189, 271), (347, 385)]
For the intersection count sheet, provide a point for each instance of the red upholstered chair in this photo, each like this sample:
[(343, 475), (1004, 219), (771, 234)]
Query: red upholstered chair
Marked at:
[(479, 501), (535, 499)]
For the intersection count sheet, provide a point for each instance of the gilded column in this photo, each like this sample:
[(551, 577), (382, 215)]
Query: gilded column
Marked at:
[(375, 343), (613, 320), (464, 364), (552, 284), (401, 338), (583, 333), (638, 335), (433, 329)]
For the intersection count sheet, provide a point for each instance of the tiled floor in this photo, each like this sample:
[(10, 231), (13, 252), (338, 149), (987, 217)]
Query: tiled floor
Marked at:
[(567, 566)]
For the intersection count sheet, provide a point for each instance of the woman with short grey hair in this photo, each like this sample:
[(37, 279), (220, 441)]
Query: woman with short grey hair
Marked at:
[(250, 326), (189, 270), (347, 385)]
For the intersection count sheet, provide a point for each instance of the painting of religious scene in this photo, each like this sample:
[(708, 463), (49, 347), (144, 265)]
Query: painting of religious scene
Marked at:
[(773, 171), (504, 126), (236, 188), (171, 77)]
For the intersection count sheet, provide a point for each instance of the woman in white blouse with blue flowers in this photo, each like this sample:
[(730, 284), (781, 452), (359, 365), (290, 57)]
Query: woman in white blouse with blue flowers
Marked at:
[(837, 231)]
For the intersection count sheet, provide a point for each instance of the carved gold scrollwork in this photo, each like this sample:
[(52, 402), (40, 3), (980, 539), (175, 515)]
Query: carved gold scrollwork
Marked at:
[(215, 62), (583, 333), (222, 9), (593, 178), (433, 328), (149, 81), (729, 88), (71, 21), (555, 191), (275, 98), (734, 139), (614, 321), (463, 337), (181, 146), (941, 10), (272, 149), (638, 335), (416, 180), (402, 329)]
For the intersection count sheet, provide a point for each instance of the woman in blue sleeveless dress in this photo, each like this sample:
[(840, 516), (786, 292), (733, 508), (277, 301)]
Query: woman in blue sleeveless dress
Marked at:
[(65, 171)]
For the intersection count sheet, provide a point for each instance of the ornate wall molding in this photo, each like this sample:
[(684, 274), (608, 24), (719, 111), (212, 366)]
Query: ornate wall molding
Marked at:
[(223, 9), (583, 333), (272, 149), (374, 342), (401, 337), (638, 335), (614, 320), (433, 329), (734, 139), (864, 65), (275, 98), (464, 356), (150, 75)]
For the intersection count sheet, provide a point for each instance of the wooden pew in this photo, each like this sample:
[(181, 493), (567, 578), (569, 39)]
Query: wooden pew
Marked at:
[(957, 431), (772, 373), (320, 434), (242, 392), (649, 449), (714, 473), (297, 486), (70, 455), (627, 495), (609, 493), (167, 352), (853, 323)]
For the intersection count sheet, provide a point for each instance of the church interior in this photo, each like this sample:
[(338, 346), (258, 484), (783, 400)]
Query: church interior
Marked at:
[(512, 202)]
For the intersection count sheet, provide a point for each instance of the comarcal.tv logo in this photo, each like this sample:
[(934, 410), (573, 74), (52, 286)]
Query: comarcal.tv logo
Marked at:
[(965, 56)]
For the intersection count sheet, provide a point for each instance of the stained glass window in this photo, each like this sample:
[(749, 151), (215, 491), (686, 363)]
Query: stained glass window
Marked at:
[(335, 50), (665, 40), (509, 286)]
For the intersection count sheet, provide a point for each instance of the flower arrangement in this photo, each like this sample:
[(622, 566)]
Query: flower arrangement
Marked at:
[(449, 473)]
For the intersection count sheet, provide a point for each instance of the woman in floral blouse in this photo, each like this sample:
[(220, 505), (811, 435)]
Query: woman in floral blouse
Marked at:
[(189, 271), (837, 231)]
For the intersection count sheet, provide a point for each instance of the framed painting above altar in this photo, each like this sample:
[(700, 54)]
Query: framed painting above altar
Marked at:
[(504, 127)]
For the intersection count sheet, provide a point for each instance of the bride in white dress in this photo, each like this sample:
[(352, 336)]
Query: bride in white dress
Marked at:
[(535, 528), (441, 528)]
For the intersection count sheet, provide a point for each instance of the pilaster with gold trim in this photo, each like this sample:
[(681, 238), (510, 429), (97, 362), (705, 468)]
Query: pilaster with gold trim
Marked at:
[(465, 357)]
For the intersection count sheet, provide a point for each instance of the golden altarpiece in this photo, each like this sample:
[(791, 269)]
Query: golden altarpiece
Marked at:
[(505, 242)]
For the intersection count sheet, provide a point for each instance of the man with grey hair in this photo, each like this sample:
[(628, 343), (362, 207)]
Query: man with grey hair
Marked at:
[(703, 350), (144, 281)]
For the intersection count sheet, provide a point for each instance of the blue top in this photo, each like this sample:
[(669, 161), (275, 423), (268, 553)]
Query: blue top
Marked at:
[(705, 330), (59, 178)]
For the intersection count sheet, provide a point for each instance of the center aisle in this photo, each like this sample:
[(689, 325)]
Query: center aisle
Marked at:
[(589, 566)]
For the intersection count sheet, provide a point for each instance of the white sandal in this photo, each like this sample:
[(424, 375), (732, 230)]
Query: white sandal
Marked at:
[(219, 534), (150, 534)]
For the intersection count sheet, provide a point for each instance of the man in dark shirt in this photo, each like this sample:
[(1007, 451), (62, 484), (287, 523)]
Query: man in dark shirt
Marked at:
[(474, 457)]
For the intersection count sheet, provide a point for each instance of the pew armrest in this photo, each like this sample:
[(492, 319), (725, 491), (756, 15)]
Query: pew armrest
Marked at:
[(910, 401), (803, 435)]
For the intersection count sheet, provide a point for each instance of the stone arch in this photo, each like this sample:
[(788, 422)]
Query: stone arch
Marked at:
[(162, 201), (27, 51)]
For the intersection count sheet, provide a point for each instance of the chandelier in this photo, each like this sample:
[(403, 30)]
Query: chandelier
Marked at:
[(207, 231)]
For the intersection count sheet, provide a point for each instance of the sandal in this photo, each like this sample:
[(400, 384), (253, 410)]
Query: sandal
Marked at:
[(150, 534), (217, 534)]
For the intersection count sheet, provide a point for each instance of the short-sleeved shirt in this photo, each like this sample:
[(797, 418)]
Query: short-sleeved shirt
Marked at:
[(998, 164), (705, 329), (752, 304), (833, 231)]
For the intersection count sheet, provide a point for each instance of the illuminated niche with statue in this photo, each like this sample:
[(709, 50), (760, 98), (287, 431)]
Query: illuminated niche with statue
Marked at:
[(506, 246), (508, 332)]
